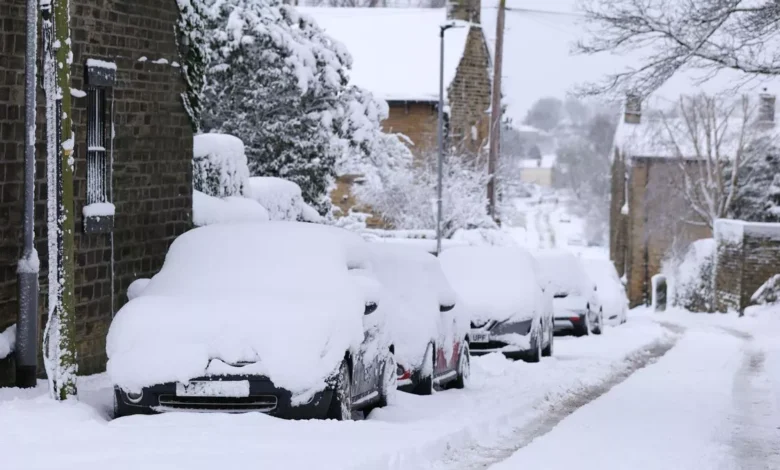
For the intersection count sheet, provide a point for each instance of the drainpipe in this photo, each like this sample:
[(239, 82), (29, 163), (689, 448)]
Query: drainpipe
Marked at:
[(27, 271)]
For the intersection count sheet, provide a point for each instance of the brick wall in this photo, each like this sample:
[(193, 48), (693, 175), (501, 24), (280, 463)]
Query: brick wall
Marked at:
[(469, 95), (748, 254), (152, 170), (417, 121)]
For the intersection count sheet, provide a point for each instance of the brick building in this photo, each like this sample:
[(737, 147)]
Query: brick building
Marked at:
[(145, 169), (649, 214), (396, 55)]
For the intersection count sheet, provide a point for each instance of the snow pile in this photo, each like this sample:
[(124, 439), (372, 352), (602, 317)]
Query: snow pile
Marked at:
[(484, 237), (690, 278), (494, 283), (219, 166), (562, 273), (276, 294), (208, 210), (282, 199), (769, 292), (136, 287), (416, 288), (395, 66), (7, 341), (99, 209)]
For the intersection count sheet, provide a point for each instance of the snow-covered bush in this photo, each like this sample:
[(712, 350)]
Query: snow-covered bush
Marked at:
[(208, 210), (690, 277), (219, 166), (7, 341), (404, 193), (769, 292), (280, 84), (190, 31), (282, 199)]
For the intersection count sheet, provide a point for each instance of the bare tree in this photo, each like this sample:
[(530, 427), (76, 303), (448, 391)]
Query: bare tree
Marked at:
[(709, 35), (714, 142)]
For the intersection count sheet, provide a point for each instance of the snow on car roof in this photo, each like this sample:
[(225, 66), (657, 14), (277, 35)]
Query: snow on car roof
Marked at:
[(395, 51), (561, 272), (492, 282)]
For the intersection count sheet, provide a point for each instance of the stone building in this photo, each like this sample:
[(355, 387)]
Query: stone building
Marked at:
[(649, 214), (127, 109), (396, 55)]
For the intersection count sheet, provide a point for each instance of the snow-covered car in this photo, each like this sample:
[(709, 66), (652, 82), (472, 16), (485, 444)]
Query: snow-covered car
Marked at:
[(507, 308), (575, 296), (427, 325), (611, 292), (284, 318)]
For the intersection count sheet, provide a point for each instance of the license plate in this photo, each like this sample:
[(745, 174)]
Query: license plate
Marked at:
[(228, 388), (480, 337)]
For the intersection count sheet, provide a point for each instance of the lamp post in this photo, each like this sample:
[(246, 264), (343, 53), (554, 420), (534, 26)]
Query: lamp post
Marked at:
[(442, 29)]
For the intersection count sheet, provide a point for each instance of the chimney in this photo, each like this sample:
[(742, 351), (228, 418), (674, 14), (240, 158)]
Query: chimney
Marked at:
[(465, 10), (633, 109), (766, 109)]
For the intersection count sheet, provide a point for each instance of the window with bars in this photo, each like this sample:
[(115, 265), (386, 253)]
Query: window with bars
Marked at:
[(99, 210)]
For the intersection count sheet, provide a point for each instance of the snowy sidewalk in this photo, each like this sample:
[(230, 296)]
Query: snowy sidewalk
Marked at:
[(705, 405)]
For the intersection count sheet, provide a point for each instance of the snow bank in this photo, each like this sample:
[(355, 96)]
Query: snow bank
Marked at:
[(219, 165), (7, 341), (283, 199), (278, 294), (484, 237), (208, 210), (494, 283), (416, 288)]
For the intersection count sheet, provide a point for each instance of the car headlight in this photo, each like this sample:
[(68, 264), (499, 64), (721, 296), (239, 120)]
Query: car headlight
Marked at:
[(135, 397)]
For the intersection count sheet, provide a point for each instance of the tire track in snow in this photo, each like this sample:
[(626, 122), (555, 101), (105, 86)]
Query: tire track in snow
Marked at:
[(482, 456)]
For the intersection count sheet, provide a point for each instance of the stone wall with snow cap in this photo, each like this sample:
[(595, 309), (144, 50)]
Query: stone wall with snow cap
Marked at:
[(748, 254)]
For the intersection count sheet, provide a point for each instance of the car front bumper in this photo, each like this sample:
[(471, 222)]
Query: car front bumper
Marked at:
[(263, 397), (510, 338)]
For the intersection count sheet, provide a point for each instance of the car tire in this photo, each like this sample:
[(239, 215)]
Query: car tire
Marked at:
[(464, 367), (341, 404), (536, 348), (389, 384), (584, 329), (424, 385), (599, 327), (548, 351)]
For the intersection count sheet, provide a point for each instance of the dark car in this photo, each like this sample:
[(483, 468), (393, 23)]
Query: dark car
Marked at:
[(508, 310), (279, 318), (426, 323)]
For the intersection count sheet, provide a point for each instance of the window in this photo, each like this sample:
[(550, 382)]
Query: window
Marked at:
[(99, 209)]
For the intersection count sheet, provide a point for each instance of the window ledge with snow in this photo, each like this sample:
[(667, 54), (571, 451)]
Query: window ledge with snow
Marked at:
[(98, 217)]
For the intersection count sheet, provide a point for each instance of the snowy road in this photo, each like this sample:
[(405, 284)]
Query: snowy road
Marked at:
[(688, 393)]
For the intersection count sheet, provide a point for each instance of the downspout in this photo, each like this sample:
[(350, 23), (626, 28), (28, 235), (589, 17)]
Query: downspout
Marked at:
[(27, 269)]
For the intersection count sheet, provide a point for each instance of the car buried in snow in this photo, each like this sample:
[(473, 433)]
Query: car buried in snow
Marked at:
[(508, 310), (427, 325), (283, 318), (611, 292), (575, 296)]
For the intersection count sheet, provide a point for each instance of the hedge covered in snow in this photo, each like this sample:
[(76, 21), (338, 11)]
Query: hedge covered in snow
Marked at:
[(219, 165), (690, 277), (282, 199), (7, 341)]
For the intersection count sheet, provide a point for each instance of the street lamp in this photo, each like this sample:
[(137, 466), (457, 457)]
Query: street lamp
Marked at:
[(442, 29)]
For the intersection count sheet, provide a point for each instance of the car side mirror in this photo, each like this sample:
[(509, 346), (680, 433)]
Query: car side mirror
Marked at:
[(446, 308), (595, 288), (370, 308)]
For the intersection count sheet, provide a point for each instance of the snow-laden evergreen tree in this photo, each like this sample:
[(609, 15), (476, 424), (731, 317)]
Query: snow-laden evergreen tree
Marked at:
[(277, 82)]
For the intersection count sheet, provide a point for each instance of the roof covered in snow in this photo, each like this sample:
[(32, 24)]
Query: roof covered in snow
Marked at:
[(547, 162), (395, 51)]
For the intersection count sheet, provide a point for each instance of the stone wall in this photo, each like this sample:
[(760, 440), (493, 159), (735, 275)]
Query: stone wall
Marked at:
[(469, 95), (748, 254), (152, 154), (417, 121)]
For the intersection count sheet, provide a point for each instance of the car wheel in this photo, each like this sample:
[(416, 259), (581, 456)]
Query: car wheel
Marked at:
[(464, 367), (536, 348), (599, 327), (389, 385), (424, 384), (341, 404), (548, 351), (584, 329)]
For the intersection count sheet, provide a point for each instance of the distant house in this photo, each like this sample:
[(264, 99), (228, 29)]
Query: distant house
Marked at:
[(140, 159), (538, 170), (396, 54), (649, 215)]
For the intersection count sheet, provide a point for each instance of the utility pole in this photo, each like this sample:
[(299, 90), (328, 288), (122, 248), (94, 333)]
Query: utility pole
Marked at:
[(495, 112), (60, 340), (27, 270)]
